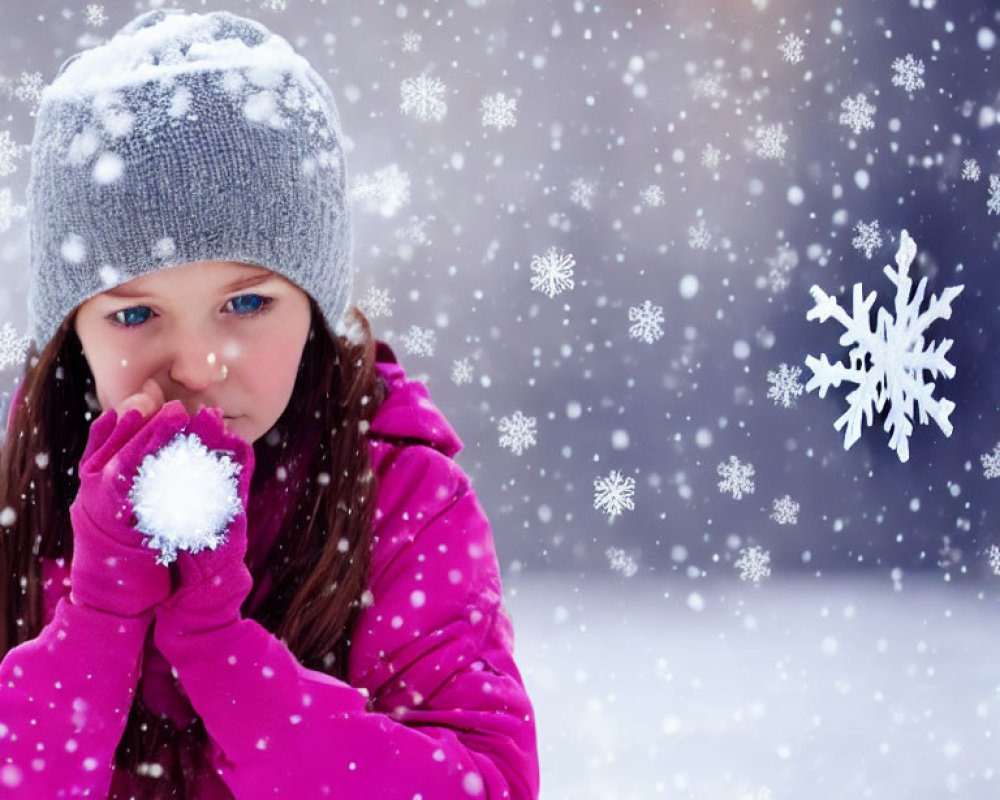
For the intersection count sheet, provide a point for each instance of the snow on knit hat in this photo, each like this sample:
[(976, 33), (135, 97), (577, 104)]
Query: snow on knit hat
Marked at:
[(185, 137)]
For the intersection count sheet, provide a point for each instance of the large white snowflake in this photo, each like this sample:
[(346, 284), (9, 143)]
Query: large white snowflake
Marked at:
[(647, 322), (785, 386), (613, 494), (991, 463), (517, 432), (771, 141), (498, 111), (971, 170), (785, 511), (909, 73), (376, 303), (553, 272), (419, 341), (868, 238), (753, 564), (791, 49), (888, 362), (737, 478), (857, 113), (423, 97), (993, 202)]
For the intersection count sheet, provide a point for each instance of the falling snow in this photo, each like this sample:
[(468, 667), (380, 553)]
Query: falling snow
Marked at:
[(792, 49), (770, 141), (971, 170), (857, 113), (647, 322), (498, 111), (785, 386), (993, 202), (653, 196), (613, 494), (423, 98), (517, 432), (753, 564), (376, 303), (991, 463), (737, 478), (620, 561), (582, 192), (553, 272), (461, 371), (909, 73), (785, 511), (868, 238), (699, 237), (419, 341), (12, 346)]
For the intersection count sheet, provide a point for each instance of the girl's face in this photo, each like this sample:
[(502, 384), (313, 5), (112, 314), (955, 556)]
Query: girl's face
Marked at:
[(209, 333)]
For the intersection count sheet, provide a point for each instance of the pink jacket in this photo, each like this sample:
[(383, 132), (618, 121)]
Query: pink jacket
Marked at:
[(434, 708)]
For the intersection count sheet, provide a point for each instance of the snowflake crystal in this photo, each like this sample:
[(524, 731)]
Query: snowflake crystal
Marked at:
[(771, 141), (698, 236), (419, 341), (581, 192), (613, 494), (411, 42), (994, 559), (653, 196), (12, 347), (993, 203), (791, 49), (868, 239), (423, 97), (376, 303), (95, 15), (708, 85), (29, 88), (785, 511), (10, 152), (461, 371), (895, 352), (498, 111), (621, 562), (710, 157), (780, 266), (517, 432), (991, 463), (647, 322), (737, 478), (553, 272), (9, 210), (971, 170), (857, 113), (785, 386), (753, 564), (383, 192), (909, 73)]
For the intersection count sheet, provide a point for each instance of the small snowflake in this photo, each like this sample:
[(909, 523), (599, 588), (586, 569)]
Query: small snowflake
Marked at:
[(857, 113), (771, 141), (621, 562), (383, 192), (9, 210), (498, 111), (419, 341), (791, 49), (991, 463), (888, 362), (971, 170), (785, 386), (414, 232), (785, 511), (613, 494), (708, 85), (274, 5), (737, 478), (95, 15), (868, 239), (10, 152), (461, 371), (423, 97), (710, 157), (411, 42), (994, 559), (647, 322), (780, 266), (582, 192), (698, 236), (12, 346), (517, 432), (29, 87), (376, 303), (993, 202), (753, 564), (909, 73), (553, 272), (653, 196)]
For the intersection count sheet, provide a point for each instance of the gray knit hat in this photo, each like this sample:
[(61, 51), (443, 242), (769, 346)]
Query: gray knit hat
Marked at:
[(186, 137)]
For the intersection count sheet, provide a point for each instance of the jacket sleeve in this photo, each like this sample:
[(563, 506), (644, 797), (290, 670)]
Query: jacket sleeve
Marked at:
[(64, 701), (435, 707)]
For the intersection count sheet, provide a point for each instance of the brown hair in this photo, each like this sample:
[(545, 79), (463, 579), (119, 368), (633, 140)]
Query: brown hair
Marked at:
[(316, 584)]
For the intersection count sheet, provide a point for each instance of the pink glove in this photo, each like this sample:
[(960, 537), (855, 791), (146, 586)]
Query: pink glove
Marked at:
[(214, 583), (112, 570)]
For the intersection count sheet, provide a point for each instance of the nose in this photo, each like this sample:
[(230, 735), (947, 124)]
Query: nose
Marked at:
[(195, 364)]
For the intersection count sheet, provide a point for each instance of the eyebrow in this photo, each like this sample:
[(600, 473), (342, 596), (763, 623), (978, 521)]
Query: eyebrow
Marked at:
[(242, 283)]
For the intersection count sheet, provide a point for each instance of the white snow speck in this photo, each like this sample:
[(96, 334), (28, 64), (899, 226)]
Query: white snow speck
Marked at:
[(164, 248), (109, 168), (73, 249), (180, 102), (82, 147), (185, 496)]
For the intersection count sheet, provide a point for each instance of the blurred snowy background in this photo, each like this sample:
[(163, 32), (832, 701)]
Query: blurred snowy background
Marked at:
[(592, 228)]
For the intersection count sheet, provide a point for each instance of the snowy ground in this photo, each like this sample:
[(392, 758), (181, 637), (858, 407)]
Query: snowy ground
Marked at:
[(800, 688)]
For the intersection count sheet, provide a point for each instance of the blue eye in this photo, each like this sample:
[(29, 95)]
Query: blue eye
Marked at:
[(136, 316)]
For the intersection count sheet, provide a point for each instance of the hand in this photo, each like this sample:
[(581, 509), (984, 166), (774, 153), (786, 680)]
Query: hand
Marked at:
[(112, 570), (214, 583)]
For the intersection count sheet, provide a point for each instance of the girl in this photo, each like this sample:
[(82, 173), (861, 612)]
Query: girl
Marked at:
[(190, 269)]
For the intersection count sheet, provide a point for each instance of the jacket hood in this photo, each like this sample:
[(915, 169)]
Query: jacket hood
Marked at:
[(408, 413)]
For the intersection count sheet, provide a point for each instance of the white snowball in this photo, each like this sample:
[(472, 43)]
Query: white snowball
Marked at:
[(185, 496), (109, 168)]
